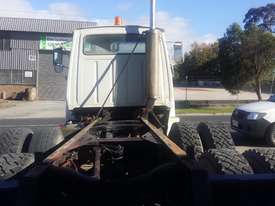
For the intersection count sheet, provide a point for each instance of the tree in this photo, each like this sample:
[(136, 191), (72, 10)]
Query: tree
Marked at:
[(257, 55), (264, 17), (232, 76), (200, 61), (245, 56)]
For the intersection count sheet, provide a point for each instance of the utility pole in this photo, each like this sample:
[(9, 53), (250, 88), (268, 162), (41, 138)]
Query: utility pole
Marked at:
[(273, 77), (186, 78)]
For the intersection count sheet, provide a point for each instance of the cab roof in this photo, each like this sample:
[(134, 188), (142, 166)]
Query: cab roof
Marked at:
[(129, 29)]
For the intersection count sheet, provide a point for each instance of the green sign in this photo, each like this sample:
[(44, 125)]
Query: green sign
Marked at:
[(48, 42)]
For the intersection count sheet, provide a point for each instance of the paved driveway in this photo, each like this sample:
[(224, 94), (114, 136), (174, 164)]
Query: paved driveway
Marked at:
[(213, 94), (36, 109), (56, 109)]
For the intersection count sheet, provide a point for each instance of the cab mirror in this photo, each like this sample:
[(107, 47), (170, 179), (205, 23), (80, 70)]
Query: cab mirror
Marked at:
[(58, 60)]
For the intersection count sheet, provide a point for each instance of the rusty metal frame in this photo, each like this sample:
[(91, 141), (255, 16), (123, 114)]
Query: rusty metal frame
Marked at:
[(84, 138), (74, 142), (160, 134)]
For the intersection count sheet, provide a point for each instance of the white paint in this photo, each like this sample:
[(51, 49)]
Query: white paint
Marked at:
[(32, 58), (91, 77), (261, 107), (153, 14), (28, 74)]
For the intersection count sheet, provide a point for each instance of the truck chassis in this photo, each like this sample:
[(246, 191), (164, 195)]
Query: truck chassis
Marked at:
[(103, 163)]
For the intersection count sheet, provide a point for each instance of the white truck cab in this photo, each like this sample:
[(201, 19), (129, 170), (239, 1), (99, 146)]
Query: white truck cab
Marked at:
[(109, 68)]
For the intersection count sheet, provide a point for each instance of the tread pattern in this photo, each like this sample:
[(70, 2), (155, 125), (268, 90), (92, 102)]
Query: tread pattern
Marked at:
[(261, 160), (215, 136), (12, 140), (185, 135), (45, 138), (225, 161), (13, 163), (269, 136)]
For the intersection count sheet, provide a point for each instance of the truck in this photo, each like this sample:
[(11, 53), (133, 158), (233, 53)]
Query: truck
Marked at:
[(128, 147)]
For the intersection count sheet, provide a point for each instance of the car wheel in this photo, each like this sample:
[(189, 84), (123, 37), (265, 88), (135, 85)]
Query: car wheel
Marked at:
[(270, 135)]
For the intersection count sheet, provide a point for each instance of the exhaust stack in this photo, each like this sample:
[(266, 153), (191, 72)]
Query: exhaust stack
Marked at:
[(152, 52), (153, 15)]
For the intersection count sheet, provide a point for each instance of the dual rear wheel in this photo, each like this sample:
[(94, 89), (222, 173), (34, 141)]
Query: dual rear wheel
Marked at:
[(19, 145), (212, 147)]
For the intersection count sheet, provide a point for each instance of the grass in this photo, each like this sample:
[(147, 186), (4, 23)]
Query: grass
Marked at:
[(205, 110)]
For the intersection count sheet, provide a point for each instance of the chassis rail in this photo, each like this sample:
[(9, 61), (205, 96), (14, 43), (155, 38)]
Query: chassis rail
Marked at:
[(197, 186)]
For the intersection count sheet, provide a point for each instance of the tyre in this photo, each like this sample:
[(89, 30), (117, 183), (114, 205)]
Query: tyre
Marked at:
[(15, 140), (13, 163), (224, 161), (45, 138), (261, 160), (270, 135), (185, 135), (215, 136)]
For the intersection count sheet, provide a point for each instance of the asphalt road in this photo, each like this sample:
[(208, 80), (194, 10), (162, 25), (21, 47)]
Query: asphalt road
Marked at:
[(31, 122)]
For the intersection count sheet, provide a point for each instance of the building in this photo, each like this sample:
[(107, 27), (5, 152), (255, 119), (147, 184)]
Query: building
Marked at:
[(175, 50), (26, 55), (178, 57)]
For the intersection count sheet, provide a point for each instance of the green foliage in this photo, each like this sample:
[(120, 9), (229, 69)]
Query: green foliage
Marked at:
[(241, 57), (200, 62), (245, 56), (232, 76), (263, 17), (258, 53)]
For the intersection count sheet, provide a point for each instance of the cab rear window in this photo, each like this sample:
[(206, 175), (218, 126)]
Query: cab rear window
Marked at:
[(113, 44)]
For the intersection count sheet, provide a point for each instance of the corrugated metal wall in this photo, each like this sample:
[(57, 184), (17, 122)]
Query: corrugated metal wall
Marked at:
[(51, 85), (19, 59), (25, 40), (22, 57)]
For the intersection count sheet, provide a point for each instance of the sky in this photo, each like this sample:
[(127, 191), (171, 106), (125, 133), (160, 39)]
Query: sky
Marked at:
[(203, 21)]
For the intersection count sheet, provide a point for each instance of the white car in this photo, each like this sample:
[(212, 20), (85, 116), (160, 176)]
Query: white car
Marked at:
[(256, 120)]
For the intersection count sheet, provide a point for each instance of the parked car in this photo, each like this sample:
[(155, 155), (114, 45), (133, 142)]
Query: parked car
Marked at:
[(256, 120)]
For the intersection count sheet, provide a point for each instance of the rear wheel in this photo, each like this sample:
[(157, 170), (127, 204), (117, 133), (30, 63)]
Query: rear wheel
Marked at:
[(215, 136), (224, 161), (13, 163), (261, 160), (270, 135), (185, 135), (45, 138), (15, 140)]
